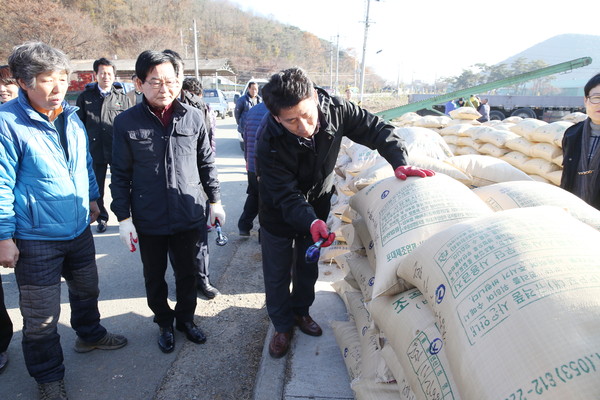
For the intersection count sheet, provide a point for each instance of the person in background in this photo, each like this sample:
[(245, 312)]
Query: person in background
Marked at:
[(250, 211), (8, 85), (581, 150), (191, 94), (484, 110), (48, 195), (295, 157), (449, 106), (99, 104), (245, 103), (473, 101), (8, 90), (135, 96), (460, 102), (162, 160)]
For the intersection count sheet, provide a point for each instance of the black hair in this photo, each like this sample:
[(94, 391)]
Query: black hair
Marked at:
[(286, 89), (104, 61), (6, 77), (178, 59), (149, 59), (592, 83), (192, 85)]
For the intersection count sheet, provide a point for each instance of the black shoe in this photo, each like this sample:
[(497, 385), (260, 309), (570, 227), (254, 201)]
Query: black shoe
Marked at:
[(166, 339), (101, 228), (244, 232), (208, 290), (192, 332), (3, 361)]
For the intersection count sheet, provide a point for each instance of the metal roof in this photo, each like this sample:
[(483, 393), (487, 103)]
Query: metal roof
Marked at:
[(215, 66)]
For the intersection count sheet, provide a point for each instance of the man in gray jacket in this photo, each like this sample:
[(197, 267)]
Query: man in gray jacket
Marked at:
[(99, 104)]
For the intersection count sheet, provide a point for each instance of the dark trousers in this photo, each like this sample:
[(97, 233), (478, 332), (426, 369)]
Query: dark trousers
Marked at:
[(6, 326), (283, 262), (250, 211), (182, 250), (202, 256), (100, 172), (38, 271)]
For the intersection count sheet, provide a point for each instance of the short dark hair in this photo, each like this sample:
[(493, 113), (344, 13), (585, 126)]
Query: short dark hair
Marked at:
[(6, 77), (106, 62), (149, 59), (178, 59), (286, 89), (192, 85), (592, 83)]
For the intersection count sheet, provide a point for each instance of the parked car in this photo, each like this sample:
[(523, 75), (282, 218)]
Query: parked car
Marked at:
[(217, 101), (231, 98)]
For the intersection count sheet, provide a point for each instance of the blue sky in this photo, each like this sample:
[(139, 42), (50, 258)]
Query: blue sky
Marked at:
[(431, 39)]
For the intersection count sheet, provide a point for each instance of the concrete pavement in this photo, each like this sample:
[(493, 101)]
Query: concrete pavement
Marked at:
[(314, 367)]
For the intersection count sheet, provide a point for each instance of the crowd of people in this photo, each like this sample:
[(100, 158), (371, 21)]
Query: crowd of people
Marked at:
[(166, 193)]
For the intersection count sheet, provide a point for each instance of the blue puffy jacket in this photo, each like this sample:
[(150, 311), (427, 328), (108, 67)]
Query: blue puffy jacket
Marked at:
[(43, 194), (253, 119)]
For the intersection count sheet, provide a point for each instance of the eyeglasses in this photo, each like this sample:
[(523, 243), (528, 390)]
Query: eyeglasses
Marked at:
[(594, 99), (157, 83)]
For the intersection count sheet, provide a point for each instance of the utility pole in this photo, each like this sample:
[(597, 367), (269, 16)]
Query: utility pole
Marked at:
[(196, 51), (337, 65), (362, 67), (331, 66)]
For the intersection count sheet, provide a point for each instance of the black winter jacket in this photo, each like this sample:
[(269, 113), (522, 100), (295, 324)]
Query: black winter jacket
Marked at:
[(98, 114), (571, 145), (158, 172), (296, 182)]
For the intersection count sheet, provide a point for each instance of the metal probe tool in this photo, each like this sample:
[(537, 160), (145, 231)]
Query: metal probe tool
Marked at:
[(221, 238), (314, 251)]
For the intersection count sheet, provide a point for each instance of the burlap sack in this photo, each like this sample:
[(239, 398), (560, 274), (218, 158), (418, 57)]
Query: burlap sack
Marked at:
[(506, 196), (410, 328), (401, 214), (517, 299)]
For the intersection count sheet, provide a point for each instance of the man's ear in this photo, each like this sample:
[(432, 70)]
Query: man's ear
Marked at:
[(22, 84), (138, 84), (276, 118)]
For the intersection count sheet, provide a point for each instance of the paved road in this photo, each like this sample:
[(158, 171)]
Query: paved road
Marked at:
[(139, 370)]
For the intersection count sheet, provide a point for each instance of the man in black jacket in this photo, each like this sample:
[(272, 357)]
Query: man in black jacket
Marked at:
[(162, 161), (99, 104), (296, 155)]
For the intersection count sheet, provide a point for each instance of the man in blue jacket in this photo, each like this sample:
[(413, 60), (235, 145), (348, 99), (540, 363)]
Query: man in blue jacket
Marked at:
[(252, 122), (48, 198), (162, 160)]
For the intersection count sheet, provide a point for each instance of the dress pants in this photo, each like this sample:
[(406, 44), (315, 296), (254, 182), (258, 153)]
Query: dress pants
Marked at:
[(283, 262), (6, 326), (181, 248), (39, 269), (100, 172), (250, 211)]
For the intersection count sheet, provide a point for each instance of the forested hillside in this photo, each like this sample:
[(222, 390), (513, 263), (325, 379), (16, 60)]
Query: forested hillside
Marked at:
[(256, 46)]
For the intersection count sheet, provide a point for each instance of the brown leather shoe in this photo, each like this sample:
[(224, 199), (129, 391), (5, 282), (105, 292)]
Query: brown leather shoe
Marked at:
[(280, 344), (307, 325)]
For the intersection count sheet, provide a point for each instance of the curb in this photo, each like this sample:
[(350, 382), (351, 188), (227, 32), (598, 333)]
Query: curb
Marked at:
[(270, 377)]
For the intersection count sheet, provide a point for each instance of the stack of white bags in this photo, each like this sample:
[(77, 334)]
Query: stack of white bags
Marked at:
[(478, 283)]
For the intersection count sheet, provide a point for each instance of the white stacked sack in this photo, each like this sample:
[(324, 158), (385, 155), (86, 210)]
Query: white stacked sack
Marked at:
[(517, 299)]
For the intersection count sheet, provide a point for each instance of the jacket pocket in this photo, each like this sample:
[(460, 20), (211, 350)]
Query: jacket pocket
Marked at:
[(186, 142)]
